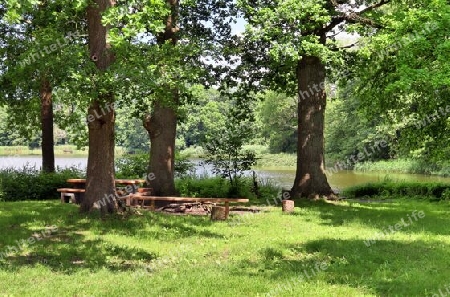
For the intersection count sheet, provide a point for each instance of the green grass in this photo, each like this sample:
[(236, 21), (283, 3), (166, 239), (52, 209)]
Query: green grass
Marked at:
[(155, 254), (277, 161), (193, 152)]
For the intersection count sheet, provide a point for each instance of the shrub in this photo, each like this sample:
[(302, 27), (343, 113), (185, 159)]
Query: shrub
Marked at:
[(132, 166), (136, 166), (29, 183), (218, 187), (267, 189), (208, 187), (406, 166)]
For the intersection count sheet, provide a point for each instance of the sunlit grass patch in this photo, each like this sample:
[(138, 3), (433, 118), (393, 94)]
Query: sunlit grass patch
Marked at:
[(318, 250)]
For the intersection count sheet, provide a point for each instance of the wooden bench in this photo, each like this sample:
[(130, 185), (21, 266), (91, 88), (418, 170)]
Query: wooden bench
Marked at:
[(131, 199), (70, 195)]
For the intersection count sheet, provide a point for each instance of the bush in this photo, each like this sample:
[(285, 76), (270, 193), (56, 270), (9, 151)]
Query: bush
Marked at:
[(29, 183), (136, 166), (218, 187), (208, 187), (267, 189), (406, 166), (433, 191), (132, 166)]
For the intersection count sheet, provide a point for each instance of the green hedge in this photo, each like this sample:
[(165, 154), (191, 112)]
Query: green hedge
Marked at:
[(29, 183), (218, 187), (433, 191)]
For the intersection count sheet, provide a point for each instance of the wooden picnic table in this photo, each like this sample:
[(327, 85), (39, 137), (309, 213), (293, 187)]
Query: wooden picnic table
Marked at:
[(118, 181), (80, 183), (76, 193)]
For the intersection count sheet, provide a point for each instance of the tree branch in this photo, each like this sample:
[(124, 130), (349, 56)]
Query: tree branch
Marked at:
[(372, 7), (338, 48), (334, 22), (348, 46), (354, 16)]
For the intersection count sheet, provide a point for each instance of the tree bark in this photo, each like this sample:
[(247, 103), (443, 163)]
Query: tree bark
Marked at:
[(161, 126), (100, 186), (161, 123), (218, 213), (310, 178), (47, 145)]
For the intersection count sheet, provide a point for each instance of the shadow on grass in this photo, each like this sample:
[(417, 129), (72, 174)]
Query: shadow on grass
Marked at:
[(78, 244), (158, 226), (382, 215), (388, 268)]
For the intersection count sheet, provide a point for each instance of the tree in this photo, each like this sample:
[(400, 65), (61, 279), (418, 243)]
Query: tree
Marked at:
[(287, 47), (8, 136), (161, 122), (202, 118), (403, 77), (32, 35), (178, 55), (100, 167), (130, 133), (224, 146), (348, 132), (277, 118)]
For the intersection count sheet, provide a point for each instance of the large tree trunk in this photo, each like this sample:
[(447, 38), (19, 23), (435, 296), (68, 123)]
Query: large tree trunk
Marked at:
[(100, 187), (161, 123), (47, 145), (310, 178)]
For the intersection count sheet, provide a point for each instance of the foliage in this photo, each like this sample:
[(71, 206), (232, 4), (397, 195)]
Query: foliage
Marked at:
[(191, 186), (276, 117), (416, 166), (193, 152), (135, 166), (218, 187), (224, 150), (183, 166), (386, 189), (402, 76), (130, 132), (202, 27), (205, 116), (267, 190), (8, 136), (40, 41), (348, 132), (131, 166), (29, 183)]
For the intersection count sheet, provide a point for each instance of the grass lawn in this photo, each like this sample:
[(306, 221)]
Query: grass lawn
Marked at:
[(60, 151), (319, 250)]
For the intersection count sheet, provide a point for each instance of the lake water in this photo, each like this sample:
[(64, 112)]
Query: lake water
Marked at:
[(282, 177)]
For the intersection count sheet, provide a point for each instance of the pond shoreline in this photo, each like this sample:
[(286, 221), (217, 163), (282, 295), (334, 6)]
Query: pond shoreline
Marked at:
[(282, 176)]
